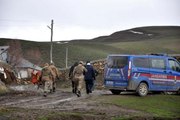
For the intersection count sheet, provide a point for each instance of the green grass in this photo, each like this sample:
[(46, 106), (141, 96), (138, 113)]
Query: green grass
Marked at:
[(80, 51), (66, 116), (163, 106), (153, 46)]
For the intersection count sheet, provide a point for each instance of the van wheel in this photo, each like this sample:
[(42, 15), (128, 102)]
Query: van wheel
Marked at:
[(142, 89), (168, 93), (178, 92), (115, 92)]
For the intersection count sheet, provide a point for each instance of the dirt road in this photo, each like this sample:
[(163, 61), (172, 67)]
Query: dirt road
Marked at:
[(28, 103), (30, 97)]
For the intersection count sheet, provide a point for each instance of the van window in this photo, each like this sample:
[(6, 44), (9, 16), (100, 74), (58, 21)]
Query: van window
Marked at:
[(174, 65), (141, 62), (157, 63), (117, 61)]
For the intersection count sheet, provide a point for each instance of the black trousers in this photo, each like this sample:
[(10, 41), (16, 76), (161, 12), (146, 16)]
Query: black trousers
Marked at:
[(74, 89), (89, 86)]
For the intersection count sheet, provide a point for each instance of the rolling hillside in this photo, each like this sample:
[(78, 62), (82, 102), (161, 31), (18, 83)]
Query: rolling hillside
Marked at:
[(142, 34), (141, 40)]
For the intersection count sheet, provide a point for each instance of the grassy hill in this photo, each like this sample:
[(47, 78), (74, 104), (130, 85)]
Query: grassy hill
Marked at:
[(155, 39), (142, 34)]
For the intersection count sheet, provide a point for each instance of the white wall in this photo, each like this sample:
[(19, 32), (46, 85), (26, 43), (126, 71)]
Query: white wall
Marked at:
[(22, 74)]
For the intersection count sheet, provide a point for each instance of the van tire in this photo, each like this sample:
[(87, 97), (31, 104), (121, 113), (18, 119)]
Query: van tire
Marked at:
[(142, 89), (115, 92), (178, 92), (169, 93)]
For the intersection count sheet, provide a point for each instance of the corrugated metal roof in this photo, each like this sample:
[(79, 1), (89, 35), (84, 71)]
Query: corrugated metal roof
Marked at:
[(26, 64)]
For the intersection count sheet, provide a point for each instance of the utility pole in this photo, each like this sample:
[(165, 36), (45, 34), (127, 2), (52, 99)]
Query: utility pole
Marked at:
[(51, 49)]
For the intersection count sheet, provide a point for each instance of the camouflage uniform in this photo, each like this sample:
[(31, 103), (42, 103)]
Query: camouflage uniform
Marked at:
[(78, 74), (47, 77), (55, 75)]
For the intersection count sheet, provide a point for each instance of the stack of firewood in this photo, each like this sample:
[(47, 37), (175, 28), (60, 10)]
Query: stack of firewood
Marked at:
[(64, 74), (98, 65)]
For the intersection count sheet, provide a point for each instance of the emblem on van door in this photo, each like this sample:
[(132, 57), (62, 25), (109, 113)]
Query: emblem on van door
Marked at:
[(160, 76)]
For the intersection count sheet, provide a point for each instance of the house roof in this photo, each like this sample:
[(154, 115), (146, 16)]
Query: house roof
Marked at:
[(23, 64), (26, 64)]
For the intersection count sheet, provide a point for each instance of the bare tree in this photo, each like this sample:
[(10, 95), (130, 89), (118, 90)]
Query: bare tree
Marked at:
[(34, 55), (15, 53)]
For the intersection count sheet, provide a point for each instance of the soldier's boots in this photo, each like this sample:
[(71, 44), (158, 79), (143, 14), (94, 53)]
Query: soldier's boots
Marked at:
[(78, 93), (45, 94), (54, 89), (73, 91), (51, 91)]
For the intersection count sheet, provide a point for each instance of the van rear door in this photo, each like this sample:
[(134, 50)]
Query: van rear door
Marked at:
[(116, 71)]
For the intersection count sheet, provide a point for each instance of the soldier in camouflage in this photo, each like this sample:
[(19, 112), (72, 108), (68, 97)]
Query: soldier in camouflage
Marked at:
[(56, 74), (78, 74), (47, 78)]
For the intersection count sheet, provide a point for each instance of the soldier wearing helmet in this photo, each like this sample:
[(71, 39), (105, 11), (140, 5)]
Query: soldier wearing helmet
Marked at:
[(78, 74)]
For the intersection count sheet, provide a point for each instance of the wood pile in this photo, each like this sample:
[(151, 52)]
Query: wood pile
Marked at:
[(98, 65), (177, 56), (64, 74)]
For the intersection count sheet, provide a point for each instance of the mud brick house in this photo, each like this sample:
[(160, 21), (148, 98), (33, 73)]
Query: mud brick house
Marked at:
[(23, 69)]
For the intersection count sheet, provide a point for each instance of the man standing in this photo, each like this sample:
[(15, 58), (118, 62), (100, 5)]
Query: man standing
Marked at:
[(47, 78), (55, 75), (78, 74), (89, 77)]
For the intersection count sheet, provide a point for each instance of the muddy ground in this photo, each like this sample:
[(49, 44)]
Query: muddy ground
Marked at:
[(28, 103)]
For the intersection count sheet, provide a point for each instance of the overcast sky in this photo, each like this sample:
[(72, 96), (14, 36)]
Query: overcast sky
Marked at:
[(82, 19)]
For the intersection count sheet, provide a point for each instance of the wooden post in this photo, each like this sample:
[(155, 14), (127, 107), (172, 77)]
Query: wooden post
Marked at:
[(51, 49), (66, 57)]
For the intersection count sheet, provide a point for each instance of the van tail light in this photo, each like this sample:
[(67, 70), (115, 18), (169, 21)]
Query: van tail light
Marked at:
[(129, 70)]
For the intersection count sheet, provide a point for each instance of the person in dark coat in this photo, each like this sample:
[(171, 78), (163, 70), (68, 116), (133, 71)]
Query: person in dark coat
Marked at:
[(96, 74), (71, 76), (89, 77)]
